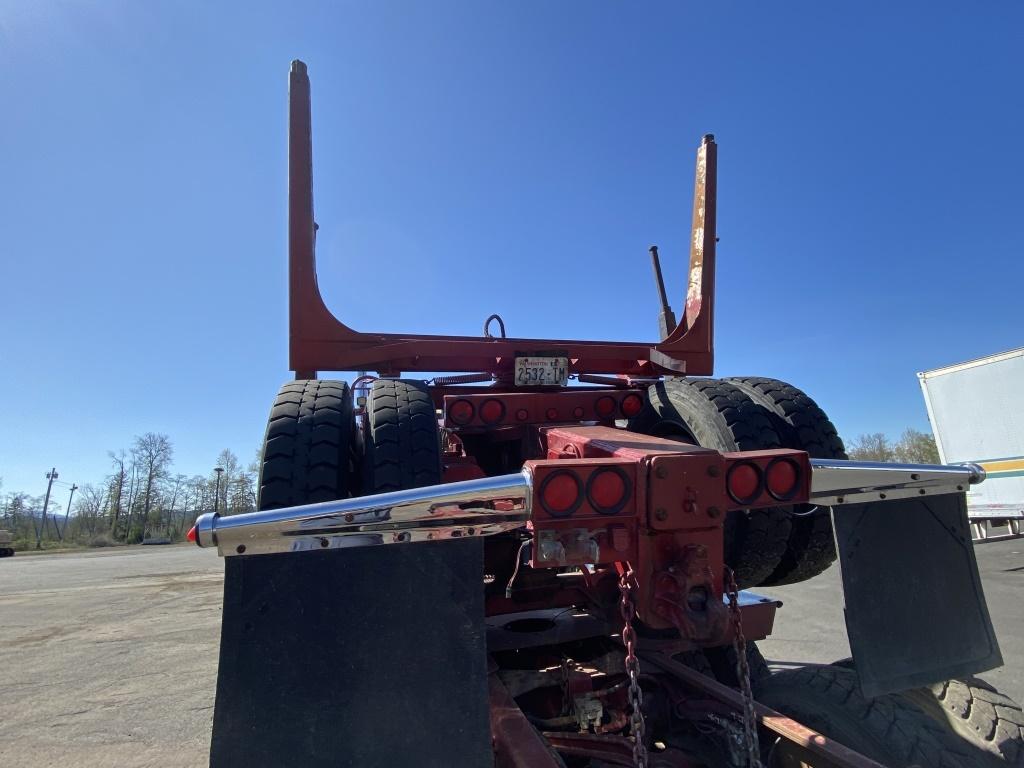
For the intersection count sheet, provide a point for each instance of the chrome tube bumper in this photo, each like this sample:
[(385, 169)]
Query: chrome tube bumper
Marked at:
[(454, 510), (495, 504)]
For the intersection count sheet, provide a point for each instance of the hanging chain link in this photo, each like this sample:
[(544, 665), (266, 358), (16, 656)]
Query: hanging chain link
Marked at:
[(627, 607), (739, 645)]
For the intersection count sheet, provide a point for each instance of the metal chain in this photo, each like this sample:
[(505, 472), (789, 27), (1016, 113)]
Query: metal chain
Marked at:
[(739, 645), (627, 607)]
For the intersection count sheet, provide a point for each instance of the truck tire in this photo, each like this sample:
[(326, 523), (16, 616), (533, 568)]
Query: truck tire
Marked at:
[(401, 439), (719, 415), (307, 449), (975, 711), (888, 729), (803, 426)]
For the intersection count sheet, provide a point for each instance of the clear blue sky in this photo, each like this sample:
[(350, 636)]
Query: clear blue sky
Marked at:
[(871, 167)]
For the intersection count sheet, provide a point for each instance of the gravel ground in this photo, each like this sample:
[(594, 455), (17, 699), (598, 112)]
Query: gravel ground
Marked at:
[(109, 658)]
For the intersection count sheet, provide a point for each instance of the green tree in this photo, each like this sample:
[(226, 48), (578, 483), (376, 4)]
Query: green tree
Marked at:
[(917, 447)]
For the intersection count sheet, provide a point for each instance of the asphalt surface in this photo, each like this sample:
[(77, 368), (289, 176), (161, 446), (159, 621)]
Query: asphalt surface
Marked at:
[(109, 658)]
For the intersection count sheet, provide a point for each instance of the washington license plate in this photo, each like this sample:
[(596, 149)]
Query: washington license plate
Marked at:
[(542, 371)]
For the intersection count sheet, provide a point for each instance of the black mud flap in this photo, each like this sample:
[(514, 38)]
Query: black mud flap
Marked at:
[(365, 657), (915, 609)]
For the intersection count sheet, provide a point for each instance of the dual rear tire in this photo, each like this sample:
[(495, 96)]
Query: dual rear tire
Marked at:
[(311, 451), (764, 547)]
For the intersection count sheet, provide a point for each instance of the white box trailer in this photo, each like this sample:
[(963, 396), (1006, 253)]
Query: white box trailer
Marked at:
[(977, 414)]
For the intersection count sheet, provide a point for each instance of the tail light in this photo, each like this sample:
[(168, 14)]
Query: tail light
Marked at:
[(605, 407), (782, 479), (461, 412), (632, 405), (492, 411), (608, 490), (744, 482), (561, 494)]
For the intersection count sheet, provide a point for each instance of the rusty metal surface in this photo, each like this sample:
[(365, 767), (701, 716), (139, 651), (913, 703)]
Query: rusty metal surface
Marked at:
[(319, 341), (517, 743), (818, 749)]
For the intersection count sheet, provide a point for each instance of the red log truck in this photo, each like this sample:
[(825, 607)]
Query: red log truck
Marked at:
[(542, 557)]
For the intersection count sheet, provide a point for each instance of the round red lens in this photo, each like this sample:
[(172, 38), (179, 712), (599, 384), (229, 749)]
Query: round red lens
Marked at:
[(607, 489), (577, 412), (744, 482), (632, 405), (461, 412), (492, 411), (560, 493), (781, 479), (605, 407), (522, 414), (552, 414)]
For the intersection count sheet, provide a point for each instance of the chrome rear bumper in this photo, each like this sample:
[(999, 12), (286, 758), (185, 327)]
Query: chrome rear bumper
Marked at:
[(495, 504)]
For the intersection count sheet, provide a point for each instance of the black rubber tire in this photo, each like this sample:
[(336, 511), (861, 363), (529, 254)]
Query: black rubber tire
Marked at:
[(888, 729), (401, 439), (723, 663), (801, 425), (307, 450), (979, 714), (719, 415)]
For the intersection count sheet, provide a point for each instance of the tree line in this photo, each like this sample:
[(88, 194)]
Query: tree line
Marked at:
[(141, 498), (913, 447)]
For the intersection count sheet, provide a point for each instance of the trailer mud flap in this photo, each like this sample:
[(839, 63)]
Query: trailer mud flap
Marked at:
[(915, 609), (370, 657)]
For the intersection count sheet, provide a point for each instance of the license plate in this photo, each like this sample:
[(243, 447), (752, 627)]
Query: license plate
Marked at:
[(542, 371)]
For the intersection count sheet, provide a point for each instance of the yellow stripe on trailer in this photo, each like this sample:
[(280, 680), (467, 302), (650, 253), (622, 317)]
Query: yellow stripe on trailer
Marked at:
[(1003, 467)]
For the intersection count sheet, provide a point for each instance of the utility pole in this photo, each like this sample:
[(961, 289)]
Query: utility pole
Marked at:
[(51, 476), (60, 535)]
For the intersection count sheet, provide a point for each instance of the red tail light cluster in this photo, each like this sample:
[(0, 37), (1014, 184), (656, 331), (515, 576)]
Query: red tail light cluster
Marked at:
[(588, 489), (584, 511), (541, 407), (749, 481)]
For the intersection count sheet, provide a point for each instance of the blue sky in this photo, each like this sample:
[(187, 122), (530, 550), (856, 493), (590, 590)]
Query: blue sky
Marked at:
[(869, 205)]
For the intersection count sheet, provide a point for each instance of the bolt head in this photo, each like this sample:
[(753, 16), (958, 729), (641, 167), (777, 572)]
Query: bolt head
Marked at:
[(714, 471), (661, 514), (661, 472), (714, 512)]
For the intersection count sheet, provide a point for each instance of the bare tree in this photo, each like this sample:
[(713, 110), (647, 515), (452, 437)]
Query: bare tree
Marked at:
[(917, 448), (116, 484), (152, 454), (873, 447)]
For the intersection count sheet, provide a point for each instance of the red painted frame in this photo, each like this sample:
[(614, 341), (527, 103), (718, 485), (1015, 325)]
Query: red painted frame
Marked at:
[(319, 341)]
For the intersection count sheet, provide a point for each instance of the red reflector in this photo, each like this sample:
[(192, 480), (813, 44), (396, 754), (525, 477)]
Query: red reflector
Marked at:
[(552, 414), (632, 405), (560, 494), (577, 412), (743, 482), (492, 411), (191, 535), (781, 479), (522, 414), (461, 412), (607, 490), (605, 407)]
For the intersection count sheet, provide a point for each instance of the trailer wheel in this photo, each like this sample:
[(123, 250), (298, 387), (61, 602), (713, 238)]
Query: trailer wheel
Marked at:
[(307, 448), (977, 713), (888, 729), (717, 414), (803, 426), (401, 439)]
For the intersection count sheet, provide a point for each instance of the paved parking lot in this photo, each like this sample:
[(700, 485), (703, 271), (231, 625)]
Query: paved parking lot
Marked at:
[(109, 657)]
